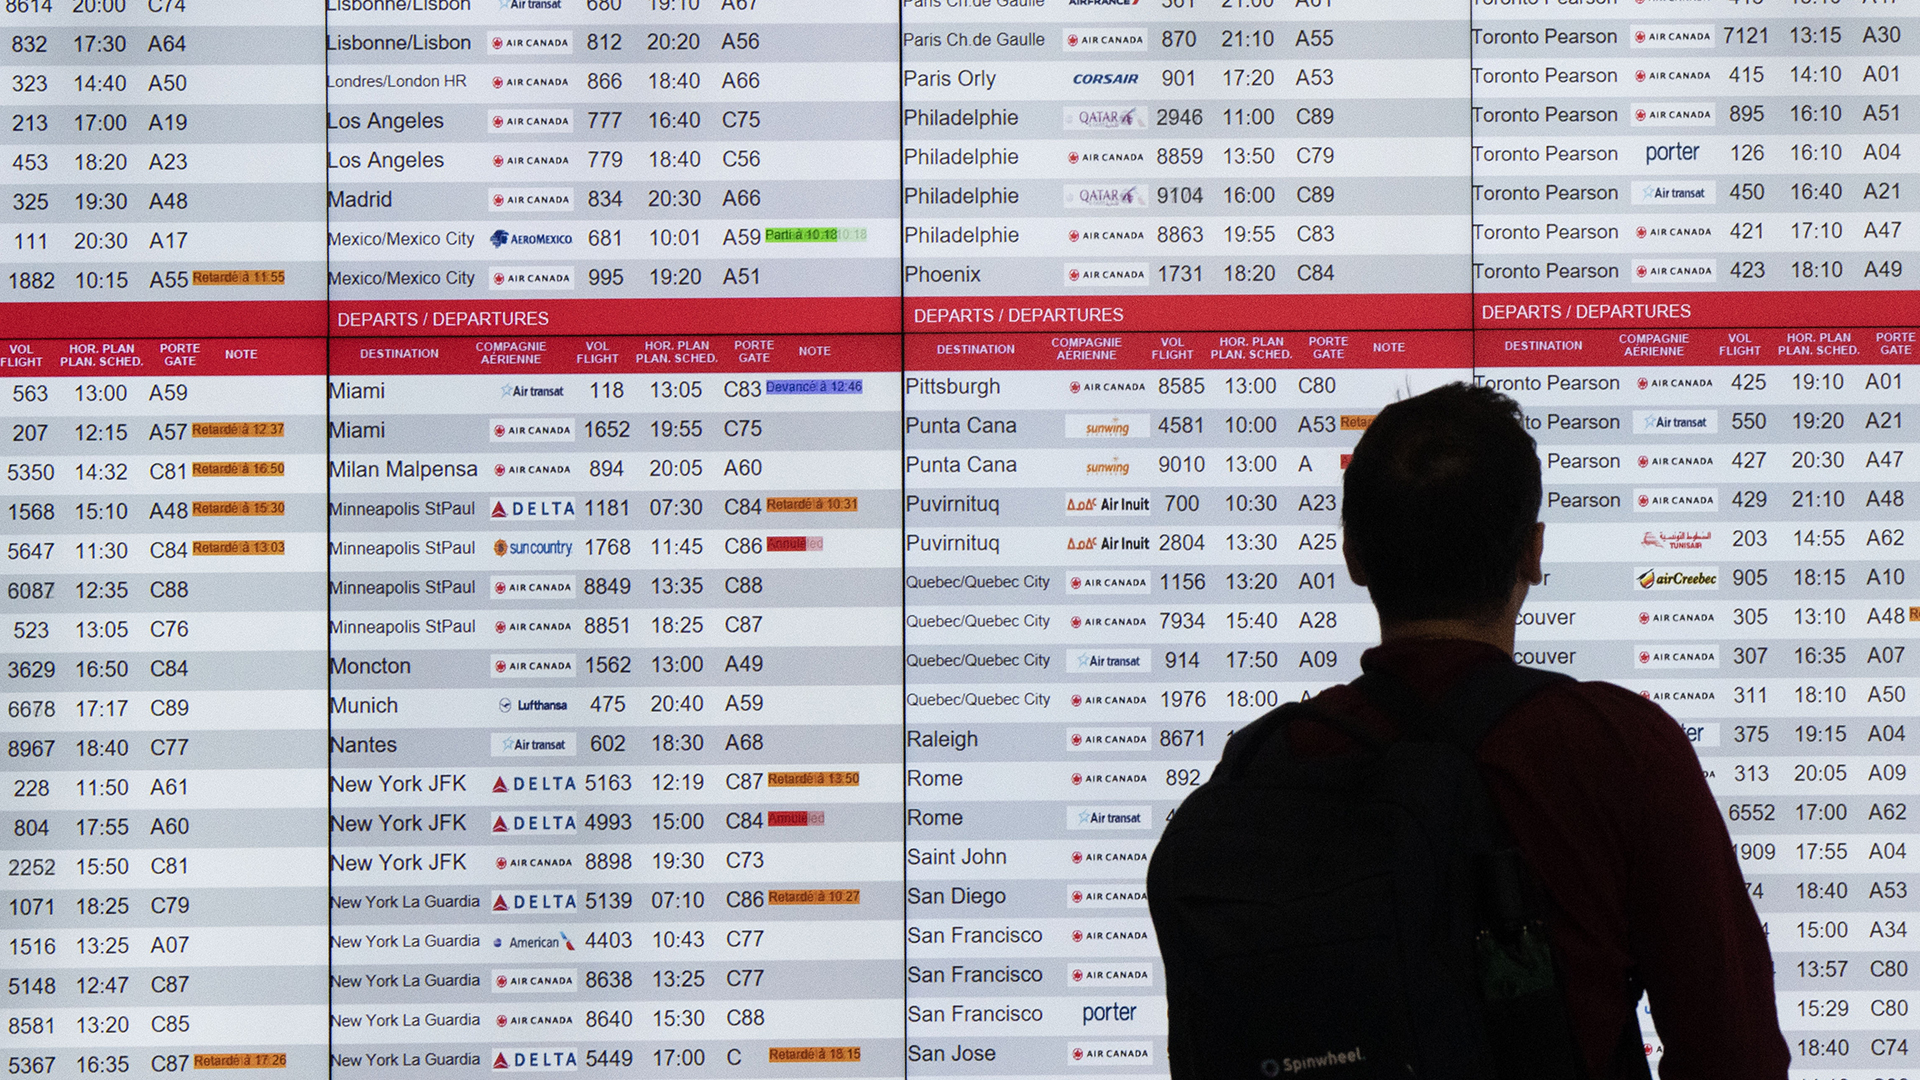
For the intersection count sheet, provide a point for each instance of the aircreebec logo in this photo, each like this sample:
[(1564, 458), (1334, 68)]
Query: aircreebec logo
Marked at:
[(1104, 118), (536, 981), (544, 1059), (532, 665), (530, 43), (1677, 578)]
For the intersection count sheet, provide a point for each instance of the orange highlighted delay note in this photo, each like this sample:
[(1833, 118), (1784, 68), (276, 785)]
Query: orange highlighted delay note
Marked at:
[(239, 1061), (241, 508), (239, 547), (812, 1053), (239, 277), (813, 779), (239, 468), (240, 429), (813, 504), (813, 896)]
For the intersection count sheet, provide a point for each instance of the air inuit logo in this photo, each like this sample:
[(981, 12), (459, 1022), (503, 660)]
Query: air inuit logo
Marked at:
[(532, 665), (1678, 578), (1104, 118), (545, 1059), (1118, 504), (530, 200), (1105, 197), (536, 981)]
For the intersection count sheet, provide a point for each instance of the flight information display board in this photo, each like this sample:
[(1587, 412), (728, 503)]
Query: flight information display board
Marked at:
[(706, 538)]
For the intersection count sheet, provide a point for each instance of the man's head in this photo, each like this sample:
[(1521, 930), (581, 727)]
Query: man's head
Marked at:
[(1441, 498)]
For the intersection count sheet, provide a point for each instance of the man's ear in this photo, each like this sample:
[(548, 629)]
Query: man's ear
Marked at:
[(1357, 573), (1530, 556)]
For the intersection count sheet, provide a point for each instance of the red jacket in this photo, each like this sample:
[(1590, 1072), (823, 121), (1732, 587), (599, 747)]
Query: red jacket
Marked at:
[(1606, 799)]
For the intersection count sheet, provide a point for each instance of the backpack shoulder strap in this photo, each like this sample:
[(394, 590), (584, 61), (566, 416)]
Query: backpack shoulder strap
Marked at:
[(1264, 741), (1466, 711)]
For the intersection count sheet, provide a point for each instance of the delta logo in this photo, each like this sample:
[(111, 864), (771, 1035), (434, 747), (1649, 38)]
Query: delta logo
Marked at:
[(544, 1059), (535, 903), (531, 782), (536, 981), (556, 823), (530, 509), (1673, 578)]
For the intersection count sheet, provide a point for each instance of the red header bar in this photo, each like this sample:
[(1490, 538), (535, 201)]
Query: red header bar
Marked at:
[(667, 356), (1745, 309), (1291, 350), (1684, 347), (1386, 311), (141, 318), (107, 357), (693, 315)]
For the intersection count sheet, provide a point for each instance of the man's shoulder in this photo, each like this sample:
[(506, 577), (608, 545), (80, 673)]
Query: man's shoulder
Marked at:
[(1589, 717)]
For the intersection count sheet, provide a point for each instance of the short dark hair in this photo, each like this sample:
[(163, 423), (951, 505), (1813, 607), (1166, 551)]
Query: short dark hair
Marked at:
[(1441, 496)]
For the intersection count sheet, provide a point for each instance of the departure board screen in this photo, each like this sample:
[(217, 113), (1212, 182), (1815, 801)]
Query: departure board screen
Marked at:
[(707, 538)]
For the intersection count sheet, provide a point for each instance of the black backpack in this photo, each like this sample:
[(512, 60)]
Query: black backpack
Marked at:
[(1362, 915)]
